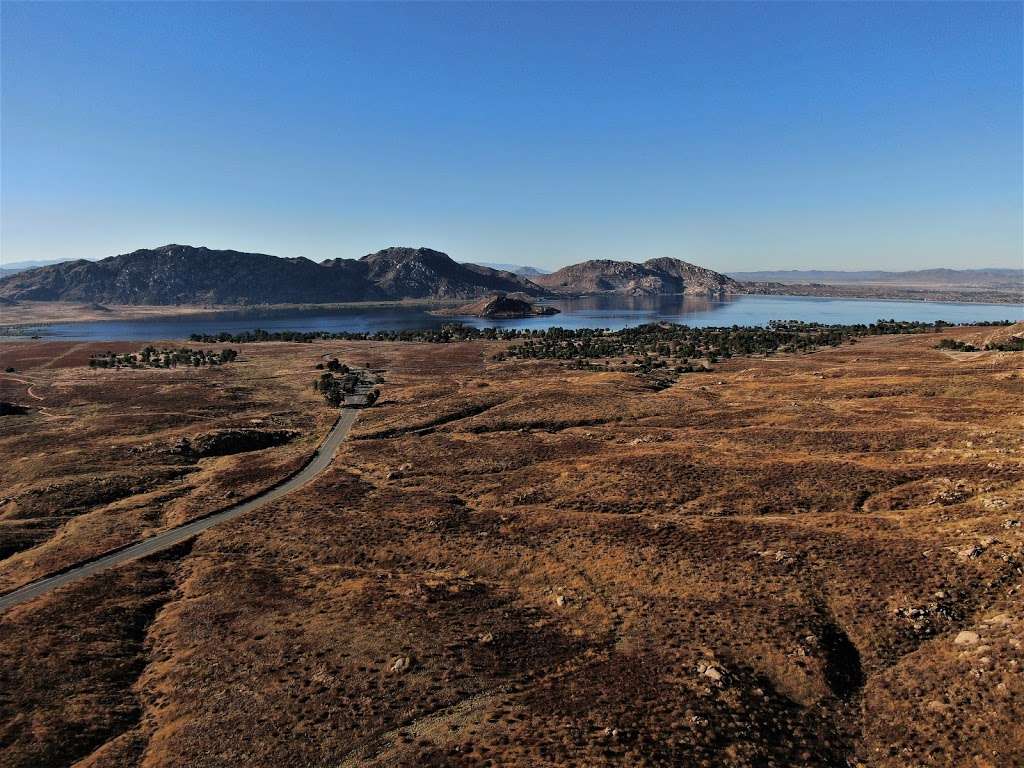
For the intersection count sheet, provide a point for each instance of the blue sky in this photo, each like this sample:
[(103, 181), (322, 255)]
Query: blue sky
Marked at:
[(737, 136)]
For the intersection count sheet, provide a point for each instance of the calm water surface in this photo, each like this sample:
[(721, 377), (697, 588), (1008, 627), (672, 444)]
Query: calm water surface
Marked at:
[(591, 312)]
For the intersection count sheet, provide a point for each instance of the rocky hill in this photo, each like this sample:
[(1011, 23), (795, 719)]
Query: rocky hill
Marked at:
[(182, 274), (499, 306), (652, 277), (424, 273)]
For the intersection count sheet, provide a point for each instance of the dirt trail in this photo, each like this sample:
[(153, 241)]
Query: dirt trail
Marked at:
[(320, 461), (26, 382), (442, 728)]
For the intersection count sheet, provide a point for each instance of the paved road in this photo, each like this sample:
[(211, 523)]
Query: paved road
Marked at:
[(321, 460)]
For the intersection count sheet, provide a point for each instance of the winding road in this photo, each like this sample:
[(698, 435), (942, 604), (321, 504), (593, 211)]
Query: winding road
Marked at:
[(320, 461)]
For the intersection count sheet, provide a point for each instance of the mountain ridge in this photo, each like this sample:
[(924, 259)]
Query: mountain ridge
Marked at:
[(183, 274)]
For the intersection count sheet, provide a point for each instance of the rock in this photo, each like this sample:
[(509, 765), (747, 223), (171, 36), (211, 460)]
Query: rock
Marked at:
[(401, 665), (561, 601), (1000, 618), (486, 638), (710, 671), (782, 556), (966, 638), (1011, 524), (970, 553)]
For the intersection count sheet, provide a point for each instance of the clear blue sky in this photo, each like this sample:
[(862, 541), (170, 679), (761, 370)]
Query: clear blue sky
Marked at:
[(738, 136)]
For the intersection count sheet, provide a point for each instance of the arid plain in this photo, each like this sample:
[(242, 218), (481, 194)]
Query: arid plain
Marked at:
[(807, 559)]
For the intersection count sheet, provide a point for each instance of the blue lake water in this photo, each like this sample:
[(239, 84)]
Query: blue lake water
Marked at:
[(590, 312)]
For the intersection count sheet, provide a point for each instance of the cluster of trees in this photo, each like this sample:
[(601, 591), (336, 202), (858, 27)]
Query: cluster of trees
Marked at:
[(333, 365), (739, 339), (334, 389), (1012, 344), (446, 333), (661, 345), (151, 357), (956, 345)]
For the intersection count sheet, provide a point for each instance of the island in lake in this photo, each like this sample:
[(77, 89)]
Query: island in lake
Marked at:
[(501, 306)]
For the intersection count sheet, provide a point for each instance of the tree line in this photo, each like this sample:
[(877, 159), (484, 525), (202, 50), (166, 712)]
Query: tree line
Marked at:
[(151, 357)]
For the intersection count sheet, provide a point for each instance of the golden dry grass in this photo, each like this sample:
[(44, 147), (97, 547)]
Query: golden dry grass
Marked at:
[(765, 565)]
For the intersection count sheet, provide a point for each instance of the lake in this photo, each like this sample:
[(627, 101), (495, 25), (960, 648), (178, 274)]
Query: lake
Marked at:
[(590, 312)]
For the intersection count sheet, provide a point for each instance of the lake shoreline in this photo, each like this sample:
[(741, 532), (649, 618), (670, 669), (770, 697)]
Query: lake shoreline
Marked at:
[(53, 312), (601, 311)]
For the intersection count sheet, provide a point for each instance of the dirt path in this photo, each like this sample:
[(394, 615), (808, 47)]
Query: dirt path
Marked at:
[(65, 353), (318, 463), (28, 384), (442, 727)]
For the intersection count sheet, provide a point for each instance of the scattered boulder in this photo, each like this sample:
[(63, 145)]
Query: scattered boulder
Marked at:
[(401, 665), (711, 672), (955, 495), (12, 409), (966, 638), (972, 552)]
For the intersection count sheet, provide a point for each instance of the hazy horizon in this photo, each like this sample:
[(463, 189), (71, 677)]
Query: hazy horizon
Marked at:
[(741, 137)]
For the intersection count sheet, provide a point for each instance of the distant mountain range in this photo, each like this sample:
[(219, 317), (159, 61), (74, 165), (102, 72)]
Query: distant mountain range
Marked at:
[(652, 277), (516, 269), (961, 279), (13, 267), (183, 274)]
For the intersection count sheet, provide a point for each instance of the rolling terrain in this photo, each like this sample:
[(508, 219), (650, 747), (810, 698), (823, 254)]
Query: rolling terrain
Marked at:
[(807, 559)]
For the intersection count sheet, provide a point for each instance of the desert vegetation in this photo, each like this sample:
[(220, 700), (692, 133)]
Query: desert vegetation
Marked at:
[(810, 558), (151, 357)]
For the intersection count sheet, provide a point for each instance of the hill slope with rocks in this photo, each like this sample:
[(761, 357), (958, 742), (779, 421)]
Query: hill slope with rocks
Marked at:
[(425, 273), (500, 307), (652, 277), (182, 274)]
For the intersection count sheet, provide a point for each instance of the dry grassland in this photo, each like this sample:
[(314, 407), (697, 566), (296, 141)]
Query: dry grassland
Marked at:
[(809, 560)]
